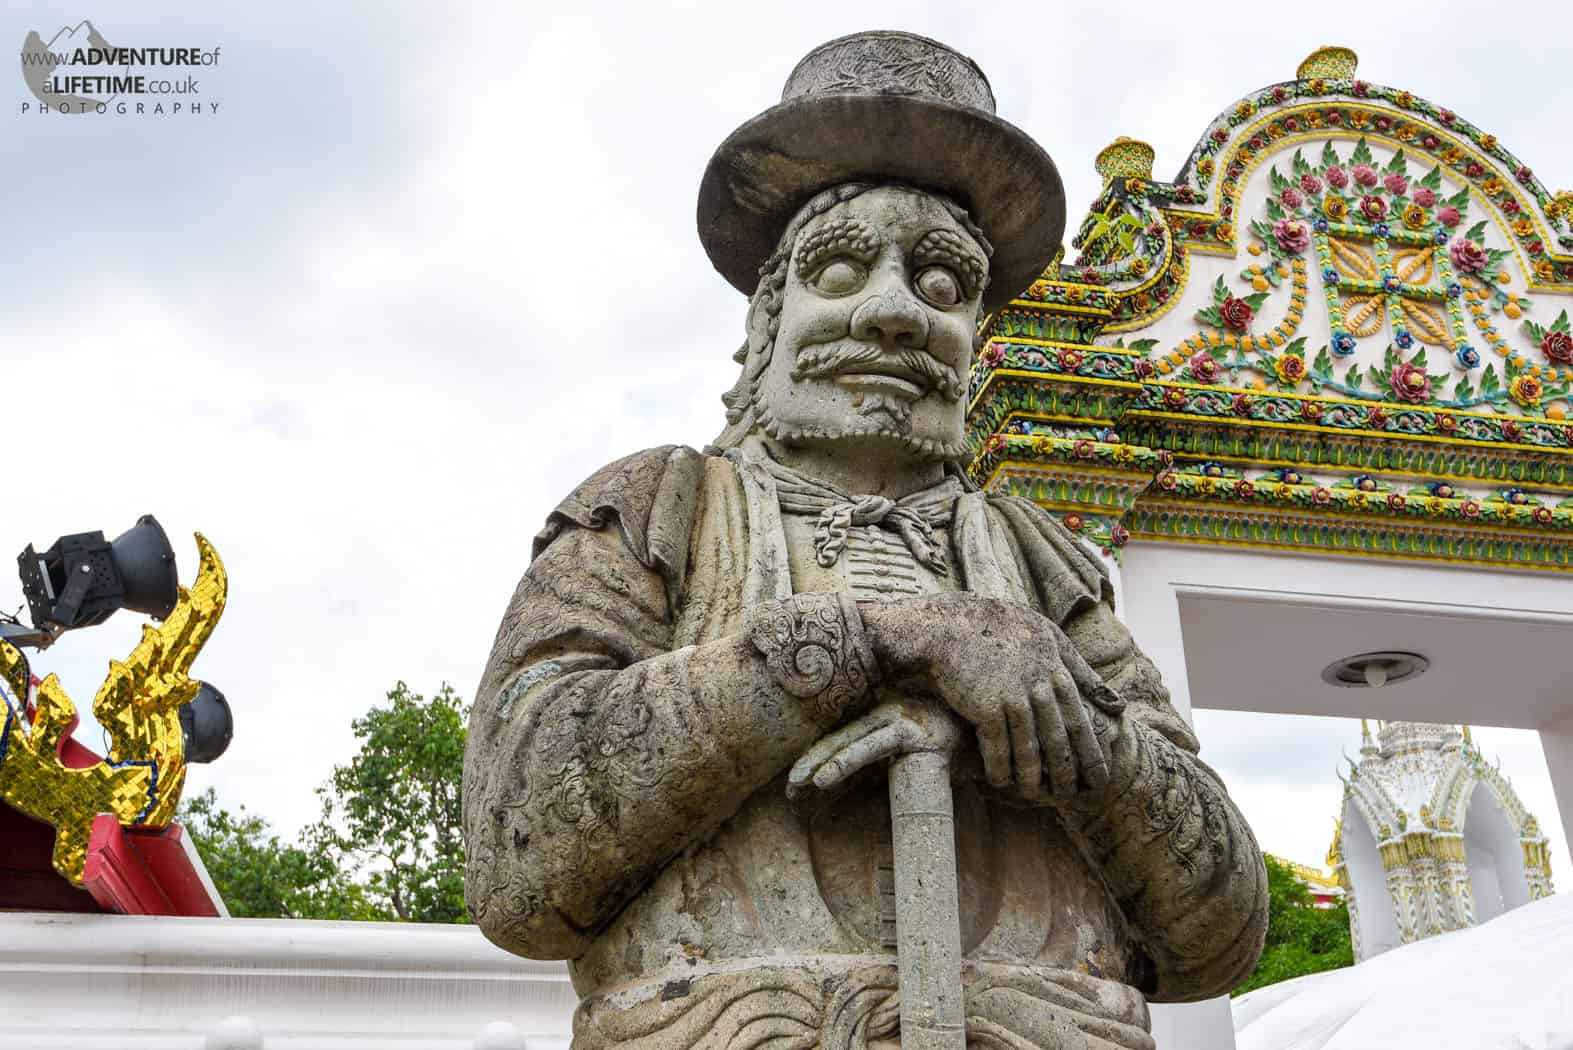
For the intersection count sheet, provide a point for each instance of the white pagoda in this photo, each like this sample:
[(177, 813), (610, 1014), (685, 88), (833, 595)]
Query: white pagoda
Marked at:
[(1431, 838)]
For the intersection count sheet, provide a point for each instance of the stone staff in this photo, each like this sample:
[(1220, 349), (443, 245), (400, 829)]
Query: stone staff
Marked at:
[(928, 913)]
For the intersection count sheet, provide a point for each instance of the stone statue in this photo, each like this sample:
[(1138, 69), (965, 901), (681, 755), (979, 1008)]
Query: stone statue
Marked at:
[(676, 771)]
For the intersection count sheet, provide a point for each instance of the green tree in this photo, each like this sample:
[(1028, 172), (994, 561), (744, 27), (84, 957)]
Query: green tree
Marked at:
[(1301, 938), (261, 878), (391, 816)]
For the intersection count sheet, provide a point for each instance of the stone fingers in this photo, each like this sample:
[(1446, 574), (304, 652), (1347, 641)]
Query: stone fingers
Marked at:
[(1055, 741), (1090, 759), (1026, 754)]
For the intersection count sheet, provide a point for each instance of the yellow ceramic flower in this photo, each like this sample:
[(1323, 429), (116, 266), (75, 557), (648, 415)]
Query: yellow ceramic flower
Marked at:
[(1290, 369), (1313, 119), (1405, 133), (1415, 217), (1359, 119), (1488, 142), (1525, 390), (1492, 185), (1335, 208), (1205, 166), (1404, 99), (1452, 155), (1138, 266), (1134, 186), (1523, 227), (1543, 270)]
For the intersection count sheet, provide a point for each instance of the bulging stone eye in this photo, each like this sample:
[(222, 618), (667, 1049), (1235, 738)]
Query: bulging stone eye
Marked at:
[(938, 285), (839, 276)]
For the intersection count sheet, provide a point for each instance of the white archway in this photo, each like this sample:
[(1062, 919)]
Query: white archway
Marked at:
[(1378, 930), (1494, 856)]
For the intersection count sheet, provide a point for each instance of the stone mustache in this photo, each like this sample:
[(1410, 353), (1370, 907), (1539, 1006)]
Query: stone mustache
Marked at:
[(676, 770)]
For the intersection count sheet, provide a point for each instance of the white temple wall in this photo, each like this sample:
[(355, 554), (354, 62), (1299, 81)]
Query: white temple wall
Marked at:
[(1556, 740)]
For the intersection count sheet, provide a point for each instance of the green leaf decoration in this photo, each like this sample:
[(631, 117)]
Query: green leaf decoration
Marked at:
[(1274, 211), (1476, 232), (1300, 166), (1296, 346), (1220, 292), (1536, 332), (1459, 200), (1329, 155), (1255, 301), (1362, 153), (1561, 323), (1399, 165), (1352, 377), (1433, 179), (1464, 390), (1323, 365), (1419, 360), (1143, 345), (1489, 384), (1390, 358), (1379, 376)]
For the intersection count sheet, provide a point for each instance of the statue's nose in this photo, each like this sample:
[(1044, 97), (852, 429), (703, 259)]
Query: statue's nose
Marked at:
[(892, 317)]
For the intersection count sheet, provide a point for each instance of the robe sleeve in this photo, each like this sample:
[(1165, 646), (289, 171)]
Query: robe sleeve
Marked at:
[(597, 752), (1174, 849)]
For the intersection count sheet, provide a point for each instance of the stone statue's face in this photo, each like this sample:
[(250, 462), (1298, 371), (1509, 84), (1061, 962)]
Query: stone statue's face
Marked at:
[(876, 327)]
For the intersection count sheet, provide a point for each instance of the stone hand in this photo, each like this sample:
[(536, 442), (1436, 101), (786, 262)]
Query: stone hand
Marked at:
[(889, 730), (1043, 717)]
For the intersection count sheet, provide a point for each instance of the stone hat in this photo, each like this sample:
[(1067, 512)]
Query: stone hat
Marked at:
[(886, 106)]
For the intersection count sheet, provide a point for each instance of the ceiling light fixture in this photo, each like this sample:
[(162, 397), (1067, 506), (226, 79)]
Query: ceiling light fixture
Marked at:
[(1374, 670)]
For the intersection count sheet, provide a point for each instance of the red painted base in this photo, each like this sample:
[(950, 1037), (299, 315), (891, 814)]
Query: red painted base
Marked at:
[(144, 872)]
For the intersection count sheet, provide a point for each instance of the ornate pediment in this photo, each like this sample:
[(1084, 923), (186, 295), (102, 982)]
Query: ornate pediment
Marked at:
[(1343, 326)]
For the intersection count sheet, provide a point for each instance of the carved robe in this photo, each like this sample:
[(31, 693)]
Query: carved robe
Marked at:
[(625, 807)]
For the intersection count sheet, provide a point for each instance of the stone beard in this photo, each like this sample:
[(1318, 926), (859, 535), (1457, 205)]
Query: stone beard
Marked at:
[(675, 772)]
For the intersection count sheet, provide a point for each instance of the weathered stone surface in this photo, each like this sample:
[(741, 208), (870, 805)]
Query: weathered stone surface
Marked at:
[(722, 669)]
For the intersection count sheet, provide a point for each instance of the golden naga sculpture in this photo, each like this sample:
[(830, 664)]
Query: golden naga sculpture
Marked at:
[(139, 703)]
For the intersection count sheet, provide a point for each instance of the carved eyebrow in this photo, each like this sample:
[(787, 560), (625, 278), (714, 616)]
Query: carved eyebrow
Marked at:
[(950, 248), (846, 235)]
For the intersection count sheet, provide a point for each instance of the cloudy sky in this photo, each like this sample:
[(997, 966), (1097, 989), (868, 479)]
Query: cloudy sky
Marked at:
[(423, 271)]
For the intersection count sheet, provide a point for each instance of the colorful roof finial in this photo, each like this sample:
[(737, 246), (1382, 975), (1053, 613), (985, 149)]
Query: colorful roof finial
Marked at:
[(1125, 158), (1328, 63)]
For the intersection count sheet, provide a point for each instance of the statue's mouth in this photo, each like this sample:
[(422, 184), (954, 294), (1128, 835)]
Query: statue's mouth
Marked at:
[(886, 378)]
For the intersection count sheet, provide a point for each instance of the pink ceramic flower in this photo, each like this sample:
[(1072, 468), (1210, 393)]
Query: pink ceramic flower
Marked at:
[(1310, 184), (1292, 235), (1203, 368), (1373, 208), (1396, 184), (1448, 216), (1468, 256), (1424, 196), (1410, 383), (1365, 175), (1337, 177), (1291, 198)]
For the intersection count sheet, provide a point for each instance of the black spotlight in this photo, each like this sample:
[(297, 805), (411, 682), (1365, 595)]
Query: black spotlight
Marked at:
[(83, 579), (207, 725)]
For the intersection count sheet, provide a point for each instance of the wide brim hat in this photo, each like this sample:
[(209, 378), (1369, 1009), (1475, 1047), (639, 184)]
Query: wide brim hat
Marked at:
[(885, 107)]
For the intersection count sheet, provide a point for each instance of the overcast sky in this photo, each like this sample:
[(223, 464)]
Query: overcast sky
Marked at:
[(430, 265)]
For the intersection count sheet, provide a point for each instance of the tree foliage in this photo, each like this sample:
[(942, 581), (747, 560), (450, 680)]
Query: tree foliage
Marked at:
[(388, 845), (391, 815), (1301, 938), (260, 877)]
